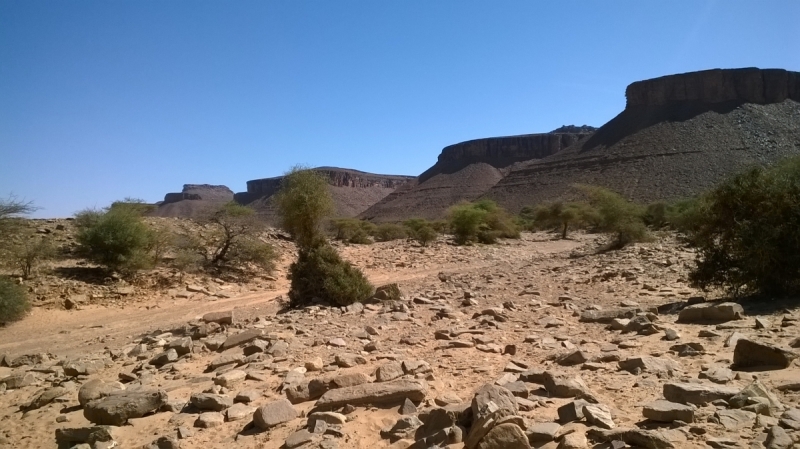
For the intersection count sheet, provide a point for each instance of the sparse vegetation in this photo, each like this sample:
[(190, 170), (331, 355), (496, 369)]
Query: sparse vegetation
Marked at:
[(304, 202), (320, 273), (615, 215), (483, 221), (560, 216), (352, 230), (13, 301), (386, 232), (116, 238), (27, 253), (747, 232), (421, 230)]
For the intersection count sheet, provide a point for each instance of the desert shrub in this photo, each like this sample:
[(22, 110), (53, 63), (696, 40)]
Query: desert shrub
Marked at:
[(558, 215), (135, 205), (320, 272), (386, 232), (748, 232), (615, 215), (186, 260), (425, 235), (11, 210), (304, 203), (656, 215), (498, 220), (231, 240), (27, 253), (352, 230), (465, 222), (13, 301), (686, 215), (116, 238)]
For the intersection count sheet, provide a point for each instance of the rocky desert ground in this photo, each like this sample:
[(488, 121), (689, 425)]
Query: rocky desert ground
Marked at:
[(534, 342)]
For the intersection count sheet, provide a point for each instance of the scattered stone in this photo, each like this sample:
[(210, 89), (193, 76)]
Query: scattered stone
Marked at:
[(542, 432), (726, 311), (299, 438), (571, 411), (374, 394), (408, 408), (599, 415), (666, 411), (718, 375), (238, 412), (735, 419), (505, 436), (655, 365), (241, 338), (501, 397), (696, 393), (389, 371), (750, 353), (209, 401), (45, 397), (648, 439), (209, 420), (230, 378), (274, 413), (219, 317), (117, 408)]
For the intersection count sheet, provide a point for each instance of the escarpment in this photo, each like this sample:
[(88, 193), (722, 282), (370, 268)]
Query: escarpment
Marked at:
[(747, 85), (678, 136), (193, 201)]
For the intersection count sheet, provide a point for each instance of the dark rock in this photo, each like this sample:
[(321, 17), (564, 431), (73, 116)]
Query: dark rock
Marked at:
[(117, 408), (750, 353)]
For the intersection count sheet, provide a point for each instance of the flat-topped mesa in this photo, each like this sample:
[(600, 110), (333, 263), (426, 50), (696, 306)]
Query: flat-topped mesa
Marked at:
[(500, 152), (200, 192), (337, 177), (746, 85)]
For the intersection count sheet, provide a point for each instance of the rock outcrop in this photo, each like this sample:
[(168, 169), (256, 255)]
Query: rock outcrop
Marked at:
[(747, 85), (466, 170), (193, 201)]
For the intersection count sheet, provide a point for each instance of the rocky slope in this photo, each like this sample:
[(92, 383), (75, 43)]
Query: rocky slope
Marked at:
[(518, 345), (678, 136), (467, 170)]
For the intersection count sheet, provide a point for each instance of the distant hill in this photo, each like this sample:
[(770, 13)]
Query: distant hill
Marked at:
[(467, 170)]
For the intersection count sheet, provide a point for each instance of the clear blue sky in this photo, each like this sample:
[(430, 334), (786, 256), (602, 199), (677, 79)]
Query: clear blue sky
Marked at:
[(100, 100)]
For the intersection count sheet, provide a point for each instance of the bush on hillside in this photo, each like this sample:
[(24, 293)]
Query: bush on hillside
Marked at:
[(321, 273), (748, 232), (616, 215), (27, 253), (13, 301), (116, 238)]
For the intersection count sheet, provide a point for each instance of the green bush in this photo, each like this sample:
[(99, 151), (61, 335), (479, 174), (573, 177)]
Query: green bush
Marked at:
[(747, 232), (116, 238), (320, 272), (304, 202), (386, 232), (465, 222), (13, 301), (615, 215), (558, 215), (352, 230), (425, 235), (485, 217)]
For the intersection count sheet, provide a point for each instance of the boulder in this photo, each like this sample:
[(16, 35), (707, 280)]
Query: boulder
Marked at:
[(608, 315), (666, 411), (655, 365), (208, 420), (501, 397), (542, 432), (117, 408), (18, 380), (45, 397), (97, 389), (750, 353), (374, 394), (565, 386), (211, 402), (726, 311), (648, 439), (697, 393), (505, 436), (219, 317), (274, 413), (241, 338)]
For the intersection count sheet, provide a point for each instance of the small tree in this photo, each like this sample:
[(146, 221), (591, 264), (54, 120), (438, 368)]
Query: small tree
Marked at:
[(465, 222), (28, 253), (304, 202), (616, 215), (748, 232), (13, 301), (561, 216), (231, 239), (386, 232)]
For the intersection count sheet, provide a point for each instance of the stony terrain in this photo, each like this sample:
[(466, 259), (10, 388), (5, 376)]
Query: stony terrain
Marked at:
[(530, 343)]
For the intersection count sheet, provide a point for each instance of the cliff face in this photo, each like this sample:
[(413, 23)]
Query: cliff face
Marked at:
[(679, 136), (200, 192), (748, 85), (337, 177), (500, 152)]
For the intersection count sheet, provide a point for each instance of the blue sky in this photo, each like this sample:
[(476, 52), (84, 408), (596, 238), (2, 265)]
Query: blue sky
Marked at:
[(101, 100)]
